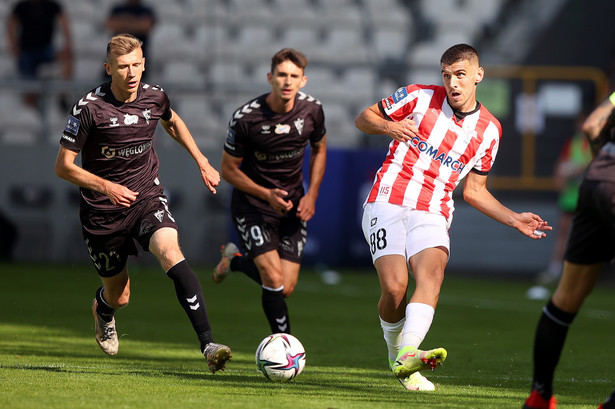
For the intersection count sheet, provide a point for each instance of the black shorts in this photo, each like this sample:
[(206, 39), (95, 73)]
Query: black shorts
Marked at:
[(111, 236), (592, 235), (259, 234)]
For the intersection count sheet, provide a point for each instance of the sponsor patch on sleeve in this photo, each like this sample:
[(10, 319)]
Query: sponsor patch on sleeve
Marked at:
[(72, 125)]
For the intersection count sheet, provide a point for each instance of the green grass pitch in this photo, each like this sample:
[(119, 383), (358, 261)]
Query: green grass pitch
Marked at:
[(49, 358)]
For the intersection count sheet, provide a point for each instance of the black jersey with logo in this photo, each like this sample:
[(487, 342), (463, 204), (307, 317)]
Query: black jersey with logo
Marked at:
[(272, 146), (116, 140)]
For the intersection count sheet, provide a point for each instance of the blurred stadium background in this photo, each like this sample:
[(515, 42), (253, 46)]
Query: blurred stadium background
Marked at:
[(545, 60)]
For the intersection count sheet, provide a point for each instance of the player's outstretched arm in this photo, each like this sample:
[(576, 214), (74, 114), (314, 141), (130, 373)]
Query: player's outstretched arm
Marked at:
[(178, 130), (68, 170), (476, 194)]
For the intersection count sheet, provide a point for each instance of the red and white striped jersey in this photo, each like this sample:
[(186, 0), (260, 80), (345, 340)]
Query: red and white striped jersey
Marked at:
[(423, 172)]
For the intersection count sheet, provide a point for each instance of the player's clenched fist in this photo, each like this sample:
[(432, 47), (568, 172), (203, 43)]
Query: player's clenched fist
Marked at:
[(402, 131)]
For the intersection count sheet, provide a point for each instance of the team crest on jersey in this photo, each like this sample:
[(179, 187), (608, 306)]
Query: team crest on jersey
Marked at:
[(299, 125), (147, 114), (114, 121), (159, 215), (282, 129), (72, 125), (130, 119)]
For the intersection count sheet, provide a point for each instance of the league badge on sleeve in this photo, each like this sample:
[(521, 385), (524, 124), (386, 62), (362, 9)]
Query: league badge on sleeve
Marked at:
[(400, 94), (72, 125)]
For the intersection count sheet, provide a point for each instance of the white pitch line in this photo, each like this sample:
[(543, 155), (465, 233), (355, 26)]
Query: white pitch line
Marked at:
[(492, 304), (524, 379)]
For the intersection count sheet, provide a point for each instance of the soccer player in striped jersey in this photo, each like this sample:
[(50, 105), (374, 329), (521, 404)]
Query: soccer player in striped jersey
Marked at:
[(122, 198), (440, 134)]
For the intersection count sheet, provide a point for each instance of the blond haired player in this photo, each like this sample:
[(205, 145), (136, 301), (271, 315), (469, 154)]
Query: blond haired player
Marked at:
[(122, 198)]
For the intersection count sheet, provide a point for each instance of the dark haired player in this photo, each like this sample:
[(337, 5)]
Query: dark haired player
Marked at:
[(589, 248), (122, 199), (263, 158), (440, 134)]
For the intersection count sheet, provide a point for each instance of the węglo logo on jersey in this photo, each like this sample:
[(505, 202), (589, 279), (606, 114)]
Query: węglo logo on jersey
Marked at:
[(111, 153)]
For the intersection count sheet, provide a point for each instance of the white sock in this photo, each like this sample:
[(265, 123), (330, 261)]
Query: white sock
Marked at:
[(392, 336), (418, 320)]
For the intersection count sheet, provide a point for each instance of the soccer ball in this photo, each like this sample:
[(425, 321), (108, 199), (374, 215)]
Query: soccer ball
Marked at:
[(280, 357)]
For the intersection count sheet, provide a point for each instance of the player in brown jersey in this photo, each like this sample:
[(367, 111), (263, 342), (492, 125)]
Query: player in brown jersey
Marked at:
[(263, 158), (122, 199), (588, 250)]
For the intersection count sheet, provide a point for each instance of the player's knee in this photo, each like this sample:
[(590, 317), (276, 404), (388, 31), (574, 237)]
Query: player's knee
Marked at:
[(394, 293), (271, 276), (170, 255), (430, 280)]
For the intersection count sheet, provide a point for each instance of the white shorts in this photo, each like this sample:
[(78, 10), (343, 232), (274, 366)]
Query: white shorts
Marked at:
[(393, 229)]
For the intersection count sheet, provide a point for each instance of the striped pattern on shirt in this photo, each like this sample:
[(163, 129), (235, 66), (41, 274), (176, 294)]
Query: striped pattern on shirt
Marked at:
[(423, 172)]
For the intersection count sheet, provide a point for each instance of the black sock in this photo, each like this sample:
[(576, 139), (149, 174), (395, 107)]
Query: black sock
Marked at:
[(276, 310), (190, 296), (104, 310), (548, 343), (241, 263), (609, 403)]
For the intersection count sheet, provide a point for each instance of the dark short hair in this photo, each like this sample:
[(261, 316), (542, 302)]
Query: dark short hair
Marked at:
[(459, 52), (289, 54)]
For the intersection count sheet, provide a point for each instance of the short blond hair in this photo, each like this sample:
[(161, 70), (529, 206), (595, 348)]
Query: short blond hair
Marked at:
[(122, 44)]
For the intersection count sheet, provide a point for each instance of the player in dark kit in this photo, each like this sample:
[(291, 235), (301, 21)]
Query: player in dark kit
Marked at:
[(122, 199), (589, 248), (263, 158)]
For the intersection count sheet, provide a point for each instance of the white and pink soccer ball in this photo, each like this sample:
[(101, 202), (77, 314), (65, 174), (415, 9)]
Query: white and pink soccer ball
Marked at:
[(280, 357)]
